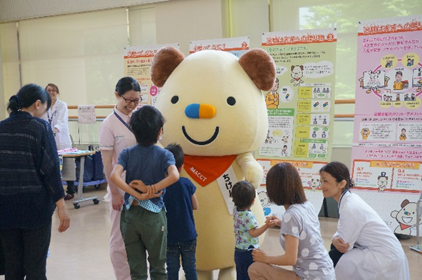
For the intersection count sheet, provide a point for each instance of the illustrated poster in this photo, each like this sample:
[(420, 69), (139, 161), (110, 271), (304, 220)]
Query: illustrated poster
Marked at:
[(387, 139), (137, 65), (300, 106)]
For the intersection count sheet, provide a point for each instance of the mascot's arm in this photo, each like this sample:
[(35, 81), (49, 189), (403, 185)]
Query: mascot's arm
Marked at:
[(251, 168)]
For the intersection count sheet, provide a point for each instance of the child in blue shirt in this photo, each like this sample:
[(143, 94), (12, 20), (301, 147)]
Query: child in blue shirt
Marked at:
[(149, 169), (180, 200), (246, 227)]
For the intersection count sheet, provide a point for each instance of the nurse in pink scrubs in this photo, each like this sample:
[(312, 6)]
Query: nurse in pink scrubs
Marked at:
[(115, 135)]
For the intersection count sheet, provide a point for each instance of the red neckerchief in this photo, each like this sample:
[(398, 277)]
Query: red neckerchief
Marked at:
[(206, 169), (403, 226)]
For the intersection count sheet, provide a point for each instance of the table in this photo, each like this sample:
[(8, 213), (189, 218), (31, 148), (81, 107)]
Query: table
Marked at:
[(81, 156)]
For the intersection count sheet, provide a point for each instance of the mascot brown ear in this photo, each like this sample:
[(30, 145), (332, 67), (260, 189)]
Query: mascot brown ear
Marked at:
[(260, 67), (164, 63)]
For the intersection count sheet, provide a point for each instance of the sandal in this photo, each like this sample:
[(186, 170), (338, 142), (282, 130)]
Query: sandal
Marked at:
[(69, 196)]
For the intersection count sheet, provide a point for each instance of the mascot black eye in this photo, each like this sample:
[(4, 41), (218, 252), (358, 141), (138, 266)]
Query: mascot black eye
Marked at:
[(231, 101), (175, 99)]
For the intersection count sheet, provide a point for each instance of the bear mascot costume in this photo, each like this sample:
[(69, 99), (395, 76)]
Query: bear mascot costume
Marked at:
[(214, 108)]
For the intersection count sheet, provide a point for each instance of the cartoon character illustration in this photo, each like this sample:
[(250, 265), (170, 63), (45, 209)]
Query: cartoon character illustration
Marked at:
[(314, 184), (314, 134), (324, 121), (382, 182), (410, 62), (402, 136), (406, 217), (323, 135), (315, 121), (272, 97), (297, 74), (372, 81), (365, 133), (213, 124), (265, 202), (412, 97), (284, 152), (388, 64), (398, 83), (313, 146), (397, 97)]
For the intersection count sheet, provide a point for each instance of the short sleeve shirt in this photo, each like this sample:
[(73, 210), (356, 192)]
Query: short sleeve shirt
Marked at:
[(313, 261), (115, 136), (148, 164), (243, 222)]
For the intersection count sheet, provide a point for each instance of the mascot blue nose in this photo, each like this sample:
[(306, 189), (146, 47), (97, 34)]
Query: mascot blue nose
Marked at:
[(200, 111)]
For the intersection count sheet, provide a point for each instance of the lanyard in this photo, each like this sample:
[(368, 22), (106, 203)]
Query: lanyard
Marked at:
[(339, 202), (122, 121), (50, 119)]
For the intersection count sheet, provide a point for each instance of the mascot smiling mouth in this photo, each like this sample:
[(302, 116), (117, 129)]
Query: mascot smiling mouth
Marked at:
[(206, 142)]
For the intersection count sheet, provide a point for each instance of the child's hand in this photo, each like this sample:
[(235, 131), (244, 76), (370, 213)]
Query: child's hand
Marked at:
[(153, 188), (148, 194), (138, 185)]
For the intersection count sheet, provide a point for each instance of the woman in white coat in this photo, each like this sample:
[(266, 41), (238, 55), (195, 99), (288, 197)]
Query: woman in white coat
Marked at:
[(363, 246), (57, 117)]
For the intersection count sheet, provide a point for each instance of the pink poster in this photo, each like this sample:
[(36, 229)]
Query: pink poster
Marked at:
[(387, 139)]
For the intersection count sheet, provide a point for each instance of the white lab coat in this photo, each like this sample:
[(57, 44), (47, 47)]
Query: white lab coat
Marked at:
[(374, 252), (57, 116)]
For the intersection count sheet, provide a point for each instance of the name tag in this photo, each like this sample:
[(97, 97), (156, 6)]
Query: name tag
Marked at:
[(226, 182)]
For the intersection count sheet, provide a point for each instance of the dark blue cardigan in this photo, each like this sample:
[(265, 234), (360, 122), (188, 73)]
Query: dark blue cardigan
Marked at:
[(30, 181)]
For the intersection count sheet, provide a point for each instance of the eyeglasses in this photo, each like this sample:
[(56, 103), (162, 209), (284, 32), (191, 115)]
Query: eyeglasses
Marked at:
[(135, 101)]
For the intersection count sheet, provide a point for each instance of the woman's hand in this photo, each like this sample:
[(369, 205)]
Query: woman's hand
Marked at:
[(259, 256), (116, 201), (340, 244), (63, 215), (273, 221)]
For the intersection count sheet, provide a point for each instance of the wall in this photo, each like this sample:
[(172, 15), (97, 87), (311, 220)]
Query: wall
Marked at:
[(13, 10)]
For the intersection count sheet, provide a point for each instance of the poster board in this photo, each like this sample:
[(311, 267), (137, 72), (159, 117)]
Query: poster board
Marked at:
[(387, 138), (300, 107), (137, 64)]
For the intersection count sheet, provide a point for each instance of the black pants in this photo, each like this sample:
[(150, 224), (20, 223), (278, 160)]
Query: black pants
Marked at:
[(335, 255), (25, 252), (70, 187)]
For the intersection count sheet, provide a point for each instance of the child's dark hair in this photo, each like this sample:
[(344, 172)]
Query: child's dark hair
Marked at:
[(178, 154), (126, 84), (284, 186), (243, 194), (340, 172), (146, 124), (27, 96)]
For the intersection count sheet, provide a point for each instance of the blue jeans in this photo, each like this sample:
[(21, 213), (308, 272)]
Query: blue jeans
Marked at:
[(186, 250), (243, 259)]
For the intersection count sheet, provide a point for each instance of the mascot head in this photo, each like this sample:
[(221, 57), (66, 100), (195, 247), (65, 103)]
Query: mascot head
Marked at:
[(212, 101)]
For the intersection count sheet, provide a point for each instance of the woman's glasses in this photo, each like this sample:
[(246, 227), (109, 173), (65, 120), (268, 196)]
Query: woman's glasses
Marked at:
[(135, 101)]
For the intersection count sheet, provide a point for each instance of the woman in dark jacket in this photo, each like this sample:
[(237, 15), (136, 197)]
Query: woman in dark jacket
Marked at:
[(30, 185)]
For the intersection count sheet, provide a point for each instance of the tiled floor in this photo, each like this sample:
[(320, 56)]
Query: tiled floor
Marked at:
[(82, 251)]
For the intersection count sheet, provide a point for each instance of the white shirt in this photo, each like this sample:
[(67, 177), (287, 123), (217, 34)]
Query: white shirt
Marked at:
[(374, 252), (57, 117)]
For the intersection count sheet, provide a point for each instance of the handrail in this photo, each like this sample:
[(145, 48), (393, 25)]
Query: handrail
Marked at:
[(337, 101)]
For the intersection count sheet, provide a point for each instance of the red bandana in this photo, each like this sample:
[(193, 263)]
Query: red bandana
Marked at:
[(402, 226), (206, 169)]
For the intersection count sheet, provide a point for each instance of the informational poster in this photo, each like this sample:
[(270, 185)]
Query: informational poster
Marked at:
[(236, 46), (300, 105), (86, 114), (309, 173), (387, 139), (137, 65)]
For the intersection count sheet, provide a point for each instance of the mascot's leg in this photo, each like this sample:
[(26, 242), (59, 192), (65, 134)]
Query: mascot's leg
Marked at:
[(228, 273), (204, 275)]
